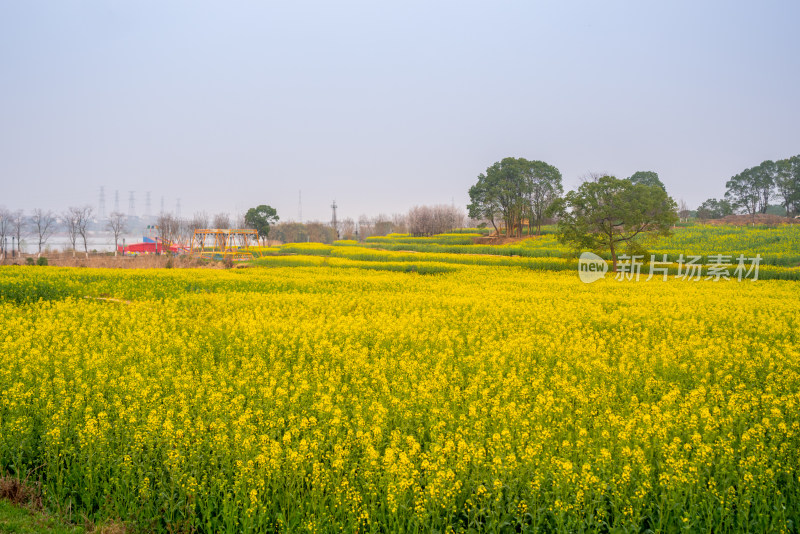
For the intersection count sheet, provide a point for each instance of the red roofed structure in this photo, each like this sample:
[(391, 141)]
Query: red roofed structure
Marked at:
[(148, 247)]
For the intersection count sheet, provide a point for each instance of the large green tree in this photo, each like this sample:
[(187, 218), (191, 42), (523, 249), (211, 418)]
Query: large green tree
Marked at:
[(646, 178), (260, 218), (609, 214), (512, 189), (543, 187), (751, 190), (787, 182)]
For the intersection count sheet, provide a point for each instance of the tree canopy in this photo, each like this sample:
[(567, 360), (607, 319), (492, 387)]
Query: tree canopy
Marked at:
[(609, 213), (714, 209), (260, 218), (514, 189), (787, 182), (646, 178)]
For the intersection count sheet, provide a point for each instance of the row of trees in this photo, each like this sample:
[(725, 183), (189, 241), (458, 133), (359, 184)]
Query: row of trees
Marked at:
[(752, 190), (516, 192), (12, 225), (77, 222), (419, 221), (604, 214), (41, 224)]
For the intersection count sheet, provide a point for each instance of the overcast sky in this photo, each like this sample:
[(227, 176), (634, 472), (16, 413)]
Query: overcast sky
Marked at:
[(383, 105)]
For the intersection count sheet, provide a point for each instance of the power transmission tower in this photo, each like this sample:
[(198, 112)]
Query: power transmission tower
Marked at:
[(131, 203), (162, 205), (334, 223), (116, 200), (147, 204)]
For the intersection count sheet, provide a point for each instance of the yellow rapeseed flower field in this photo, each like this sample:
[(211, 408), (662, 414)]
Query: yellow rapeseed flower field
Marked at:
[(328, 399)]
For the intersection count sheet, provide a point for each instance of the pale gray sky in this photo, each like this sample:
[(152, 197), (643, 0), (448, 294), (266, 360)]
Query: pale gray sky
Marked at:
[(383, 105)]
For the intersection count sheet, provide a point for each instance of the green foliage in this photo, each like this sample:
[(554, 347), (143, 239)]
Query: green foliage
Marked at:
[(610, 213), (21, 520), (787, 182), (260, 218), (30, 261), (714, 209), (646, 178), (41, 261), (513, 189), (751, 190)]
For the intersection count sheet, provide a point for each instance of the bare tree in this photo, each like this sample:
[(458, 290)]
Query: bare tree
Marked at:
[(84, 218), (347, 228), (71, 217), (199, 220), (592, 177), (222, 221), (117, 224), (381, 225), (430, 220), (318, 232), (185, 232), (45, 222), (5, 230), (364, 227), (399, 223), (18, 226), (683, 210), (169, 228)]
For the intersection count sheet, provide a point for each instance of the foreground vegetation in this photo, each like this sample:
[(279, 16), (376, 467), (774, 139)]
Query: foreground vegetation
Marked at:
[(334, 397)]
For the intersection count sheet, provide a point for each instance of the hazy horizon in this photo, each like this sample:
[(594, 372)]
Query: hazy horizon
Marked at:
[(382, 106)]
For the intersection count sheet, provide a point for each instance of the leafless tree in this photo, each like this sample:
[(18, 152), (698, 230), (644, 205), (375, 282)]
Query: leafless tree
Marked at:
[(5, 229), (71, 217), (592, 177), (381, 225), (430, 220), (18, 226), (169, 228), (364, 227), (399, 223), (199, 220), (185, 232), (222, 221), (683, 210), (117, 224), (320, 233), (45, 222), (84, 218), (347, 228), (238, 221)]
